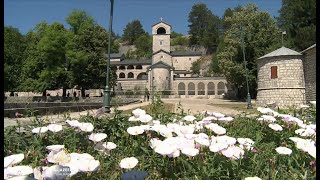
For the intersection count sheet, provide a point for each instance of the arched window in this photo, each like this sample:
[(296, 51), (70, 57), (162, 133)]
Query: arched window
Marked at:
[(181, 88), (191, 89), (138, 67), (211, 88), (142, 76), (220, 88), (130, 67), (122, 75), (161, 30), (201, 88), (122, 67), (130, 75)]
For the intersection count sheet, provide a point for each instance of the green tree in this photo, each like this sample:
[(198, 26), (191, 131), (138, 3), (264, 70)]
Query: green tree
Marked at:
[(45, 64), (195, 68), (133, 31), (261, 33), (298, 19), (144, 46), (87, 55), (14, 47), (203, 27), (79, 19)]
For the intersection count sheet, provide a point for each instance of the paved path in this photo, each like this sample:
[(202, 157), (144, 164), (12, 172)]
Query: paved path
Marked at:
[(192, 105)]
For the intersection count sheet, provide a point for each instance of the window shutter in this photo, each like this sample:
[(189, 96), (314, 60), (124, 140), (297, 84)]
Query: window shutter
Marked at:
[(274, 72)]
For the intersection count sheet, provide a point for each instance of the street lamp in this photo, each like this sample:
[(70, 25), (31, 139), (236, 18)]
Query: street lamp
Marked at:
[(106, 100), (249, 106)]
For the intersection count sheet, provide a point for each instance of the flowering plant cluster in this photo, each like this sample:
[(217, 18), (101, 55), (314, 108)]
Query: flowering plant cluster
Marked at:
[(208, 145)]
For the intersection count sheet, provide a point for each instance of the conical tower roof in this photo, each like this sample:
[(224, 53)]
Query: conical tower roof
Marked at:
[(283, 51)]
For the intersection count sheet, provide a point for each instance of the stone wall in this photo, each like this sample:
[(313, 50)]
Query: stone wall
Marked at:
[(162, 56), (201, 87), (161, 79), (184, 62), (310, 73), (164, 45), (285, 90), (131, 84), (281, 97)]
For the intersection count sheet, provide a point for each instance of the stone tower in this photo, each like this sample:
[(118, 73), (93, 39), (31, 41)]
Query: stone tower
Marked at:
[(280, 78), (161, 68), (161, 36)]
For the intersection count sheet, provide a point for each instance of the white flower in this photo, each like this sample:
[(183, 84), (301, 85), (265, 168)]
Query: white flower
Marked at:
[(245, 141), (54, 127), (202, 135), (61, 157), (296, 139), (97, 137), (55, 148), (202, 141), (145, 118), (86, 127), (275, 127), (135, 130), (233, 152), (305, 144), (22, 178), (224, 139), (311, 126), (78, 156), (73, 123), (154, 142), (53, 173), (166, 132), (164, 149), (189, 118), (19, 171), (37, 173), (252, 178), (176, 153), (304, 106), (226, 119), (156, 122), (265, 110), (305, 132), (268, 118), (110, 145), (209, 118), (88, 165), (312, 151), (190, 152), (138, 112), (40, 130), (13, 159), (313, 103), (128, 163), (133, 118), (283, 150), (219, 130), (217, 115), (186, 130), (215, 147)]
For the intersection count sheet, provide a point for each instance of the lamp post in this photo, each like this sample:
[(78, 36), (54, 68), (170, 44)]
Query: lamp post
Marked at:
[(106, 100), (249, 106)]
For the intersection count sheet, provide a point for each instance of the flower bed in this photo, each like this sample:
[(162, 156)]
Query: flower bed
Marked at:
[(165, 145)]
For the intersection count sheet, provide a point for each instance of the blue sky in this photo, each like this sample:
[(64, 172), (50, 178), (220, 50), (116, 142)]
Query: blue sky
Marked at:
[(25, 14)]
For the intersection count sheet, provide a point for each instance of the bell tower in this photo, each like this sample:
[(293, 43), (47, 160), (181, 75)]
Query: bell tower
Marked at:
[(161, 36)]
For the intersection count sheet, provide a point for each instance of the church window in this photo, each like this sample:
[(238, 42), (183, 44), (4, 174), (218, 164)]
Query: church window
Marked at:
[(160, 42), (190, 59), (274, 72)]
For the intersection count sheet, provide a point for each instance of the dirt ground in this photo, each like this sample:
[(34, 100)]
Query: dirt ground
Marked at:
[(192, 106)]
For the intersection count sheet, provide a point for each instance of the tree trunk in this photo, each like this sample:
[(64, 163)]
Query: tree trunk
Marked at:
[(44, 93), (83, 92), (64, 91)]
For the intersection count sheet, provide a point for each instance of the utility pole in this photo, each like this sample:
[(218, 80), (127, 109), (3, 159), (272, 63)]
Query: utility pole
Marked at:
[(107, 97), (249, 106)]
